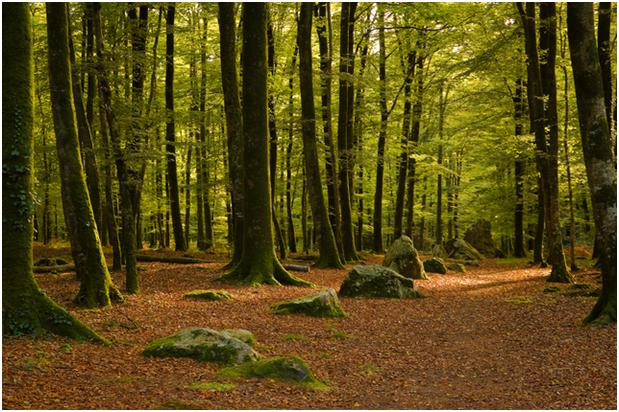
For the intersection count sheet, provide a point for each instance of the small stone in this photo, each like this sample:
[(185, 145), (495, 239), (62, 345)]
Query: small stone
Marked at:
[(402, 258), (435, 265), (324, 304), (209, 294), (203, 344), (456, 267), (377, 282)]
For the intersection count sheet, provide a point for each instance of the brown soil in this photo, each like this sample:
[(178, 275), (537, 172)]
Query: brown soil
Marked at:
[(485, 339)]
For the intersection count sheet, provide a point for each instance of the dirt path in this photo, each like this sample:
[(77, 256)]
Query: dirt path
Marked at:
[(489, 339)]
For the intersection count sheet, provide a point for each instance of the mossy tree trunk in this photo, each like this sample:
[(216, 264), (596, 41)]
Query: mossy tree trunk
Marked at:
[(172, 175), (25, 308), (128, 248), (258, 263), (234, 122), (327, 247), (96, 287), (594, 134), (542, 83), (548, 48), (344, 126), (292, 241)]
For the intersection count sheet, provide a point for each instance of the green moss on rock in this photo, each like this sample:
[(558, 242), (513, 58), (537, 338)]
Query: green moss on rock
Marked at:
[(203, 344), (435, 265), (209, 294), (456, 267), (402, 258), (377, 282), (324, 304), (282, 368), (241, 334)]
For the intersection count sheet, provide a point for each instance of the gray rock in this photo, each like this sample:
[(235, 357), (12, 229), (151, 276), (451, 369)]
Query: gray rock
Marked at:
[(435, 265), (205, 344), (377, 282), (324, 304), (402, 258)]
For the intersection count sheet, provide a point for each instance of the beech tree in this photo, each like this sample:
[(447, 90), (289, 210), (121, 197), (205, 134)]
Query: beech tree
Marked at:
[(258, 263), (25, 308), (594, 134)]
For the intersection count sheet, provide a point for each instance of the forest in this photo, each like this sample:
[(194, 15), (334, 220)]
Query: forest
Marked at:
[(372, 205)]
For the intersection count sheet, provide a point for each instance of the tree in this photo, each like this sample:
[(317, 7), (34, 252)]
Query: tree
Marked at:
[(25, 308), (172, 175), (344, 125), (258, 263), (234, 122), (329, 256), (594, 135), (96, 287), (519, 165), (541, 82)]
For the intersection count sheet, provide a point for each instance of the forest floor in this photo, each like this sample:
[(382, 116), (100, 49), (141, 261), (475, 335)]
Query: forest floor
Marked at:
[(489, 338)]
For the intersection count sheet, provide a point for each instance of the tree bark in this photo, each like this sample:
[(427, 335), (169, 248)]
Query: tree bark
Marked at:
[(234, 122), (175, 210), (519, 170), (601, 173), (329, 256), (96, 287), (292, 241), (344, 126), (604, 46), (258, 262)]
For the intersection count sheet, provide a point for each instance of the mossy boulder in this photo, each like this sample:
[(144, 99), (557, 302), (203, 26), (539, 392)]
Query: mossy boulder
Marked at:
[(282, 368), (435, 265), (456, 267), (377, 282), (461, 250), (51, 262), (241, 334), (209, 294), (402, 258), (479, 235), (324, 305), (204, 344)]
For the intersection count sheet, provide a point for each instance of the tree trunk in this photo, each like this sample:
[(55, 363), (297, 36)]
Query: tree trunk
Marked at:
[(122, 169), (234, 121), (279, 237), (292, 241), (382, 136), (519, 170), (25, 308), (171, 133), (258, 262), (329, 256), (96, 287), (344, 126), (188, 192), (604, 46), (546, 152), (439, 179), (405, 143), (601, 174)]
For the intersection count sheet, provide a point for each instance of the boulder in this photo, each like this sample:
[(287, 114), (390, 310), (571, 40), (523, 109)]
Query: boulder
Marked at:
[(461, 250), (209, 294), (402, 258), (377, 282), (324, 305), (456, 267), (479, 235), (241, 334), (283, 368), (205, 344), (438, 251), (435, 265), (51, 262)]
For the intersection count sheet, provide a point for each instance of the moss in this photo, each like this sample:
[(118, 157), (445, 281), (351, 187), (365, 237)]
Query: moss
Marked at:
[(369, 369), (324, 305), (242, 335), (456, 267), (202, 344), (552, 289), (292, 337), (579, 286), (435, 265), (282, 368), (377, 282), (211, 386), (209, 294)]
